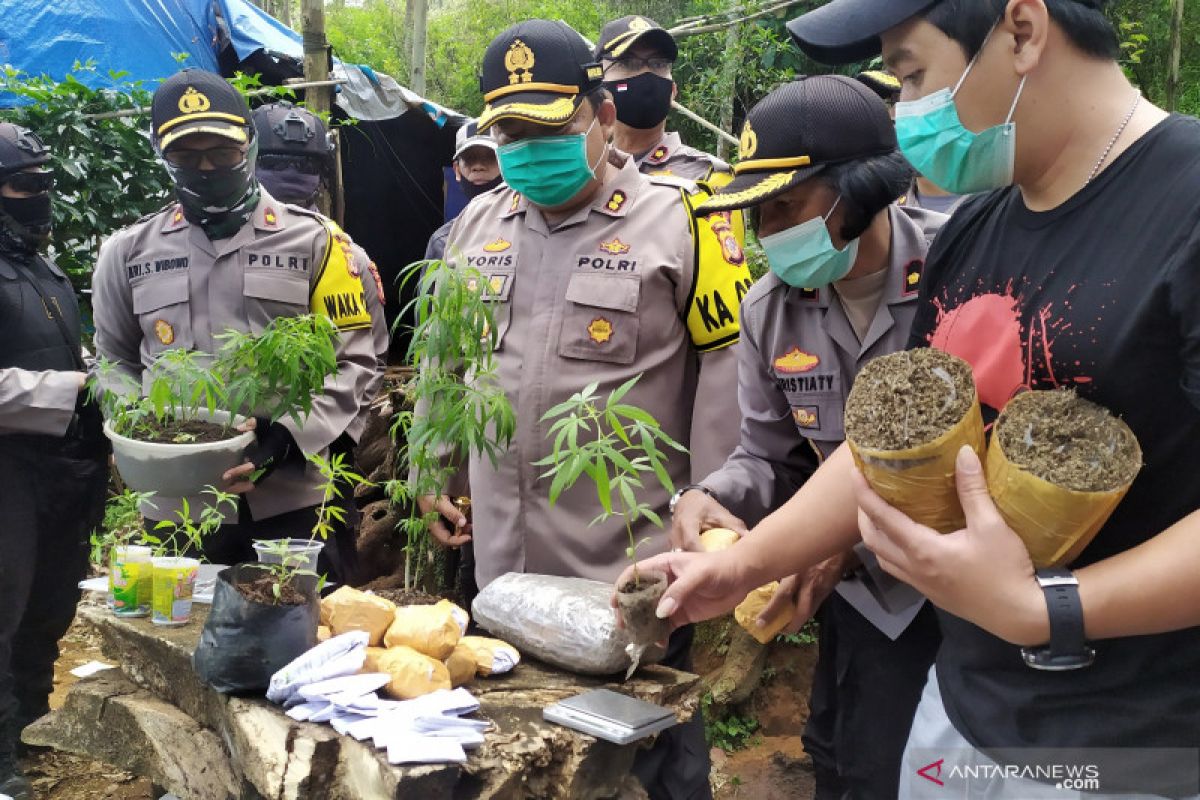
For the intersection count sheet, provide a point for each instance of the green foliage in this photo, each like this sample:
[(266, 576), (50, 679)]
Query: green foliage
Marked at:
[(804, 637), (277, 373), (616, 445), (106, 172), (729, 731), (184, 533), (122, 525), (337, 474), (372, 35), (459, 408)]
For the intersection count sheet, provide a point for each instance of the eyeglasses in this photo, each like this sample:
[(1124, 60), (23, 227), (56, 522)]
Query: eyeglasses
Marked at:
[(629, 66), (279, 162), (218, 157), (30, 182)]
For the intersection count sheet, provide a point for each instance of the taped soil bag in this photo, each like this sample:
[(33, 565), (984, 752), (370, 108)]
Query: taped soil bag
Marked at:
[(907, 416), (349, 609), (461, 664), (567, 622), (491, 656), (715, 539), (1057, 467), (323, 634), (245, 642), (748, 610), (460, 616), (432, 630), (412, 674)]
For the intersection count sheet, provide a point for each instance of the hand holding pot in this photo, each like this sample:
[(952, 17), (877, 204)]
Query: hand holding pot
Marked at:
[(981, 573), (445, 507), (695, 513), (701, 585)]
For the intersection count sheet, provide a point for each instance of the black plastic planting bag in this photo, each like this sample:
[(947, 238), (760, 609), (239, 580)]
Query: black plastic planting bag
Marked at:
[(244, 643)]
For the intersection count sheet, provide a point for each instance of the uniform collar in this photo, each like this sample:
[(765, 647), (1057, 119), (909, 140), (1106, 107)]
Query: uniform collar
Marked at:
[(661, 153), (269, 214), (174, 220)]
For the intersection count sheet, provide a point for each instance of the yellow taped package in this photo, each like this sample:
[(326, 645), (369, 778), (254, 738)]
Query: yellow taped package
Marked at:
[(492, 656), (348, 609), (748, 610), (920, 480), (1055, 523), (432, 630), (412, 674), (461, 664), (460, 616), (715, 539)]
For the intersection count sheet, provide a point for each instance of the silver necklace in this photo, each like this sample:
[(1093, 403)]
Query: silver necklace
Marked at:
[(1113, 143)]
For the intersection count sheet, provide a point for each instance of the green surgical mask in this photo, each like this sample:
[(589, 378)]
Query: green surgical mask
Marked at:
[(549, 170)]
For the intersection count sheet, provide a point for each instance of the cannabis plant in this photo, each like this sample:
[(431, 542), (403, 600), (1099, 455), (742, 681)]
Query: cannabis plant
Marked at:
[(184, 534), (618, 446), (122, 525)]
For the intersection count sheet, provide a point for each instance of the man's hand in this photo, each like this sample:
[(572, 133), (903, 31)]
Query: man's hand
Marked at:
[(695, 513), (701, 585), (445, 508), (806, 592), (981, 573)]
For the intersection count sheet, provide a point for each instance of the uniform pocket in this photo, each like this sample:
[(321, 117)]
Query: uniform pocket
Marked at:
[(164, 313), (600, 321), (270, 295)]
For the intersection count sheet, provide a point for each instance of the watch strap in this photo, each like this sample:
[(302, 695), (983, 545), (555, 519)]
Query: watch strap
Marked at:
[(1068, 648), (690, 487)]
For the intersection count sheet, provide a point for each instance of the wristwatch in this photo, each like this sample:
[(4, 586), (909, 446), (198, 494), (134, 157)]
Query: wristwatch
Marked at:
[(675, 497), (1068, 649)]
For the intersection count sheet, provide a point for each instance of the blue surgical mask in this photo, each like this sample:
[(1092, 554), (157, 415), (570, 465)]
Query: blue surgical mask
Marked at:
[(549, 170), (939, 146), (803, 256)]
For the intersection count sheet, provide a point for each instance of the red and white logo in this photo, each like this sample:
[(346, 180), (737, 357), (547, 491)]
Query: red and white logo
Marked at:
[(933, 772)]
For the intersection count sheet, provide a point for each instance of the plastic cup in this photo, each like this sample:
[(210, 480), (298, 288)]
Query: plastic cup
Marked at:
[(174, 580), (292, 553), (130, 580)]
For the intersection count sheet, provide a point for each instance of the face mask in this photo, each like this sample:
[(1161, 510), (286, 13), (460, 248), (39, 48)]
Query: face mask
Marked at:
[(473, 190), (549, 170), (218, 200), (290, 186), (27, 218), (803, 256), (940, 147), (643, 100)]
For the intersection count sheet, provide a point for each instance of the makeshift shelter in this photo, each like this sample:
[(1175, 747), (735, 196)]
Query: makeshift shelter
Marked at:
[(392, 156)]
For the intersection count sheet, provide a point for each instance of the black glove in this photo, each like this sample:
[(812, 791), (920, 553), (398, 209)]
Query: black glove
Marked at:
[(274, 447)]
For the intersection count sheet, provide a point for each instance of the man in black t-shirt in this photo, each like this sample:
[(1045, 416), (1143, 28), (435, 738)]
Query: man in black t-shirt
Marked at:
[(1079, 268)]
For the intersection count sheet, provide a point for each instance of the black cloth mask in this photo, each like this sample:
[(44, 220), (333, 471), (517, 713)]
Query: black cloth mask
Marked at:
[(26, 222), (472, 190), (290, 186), (642, 101)]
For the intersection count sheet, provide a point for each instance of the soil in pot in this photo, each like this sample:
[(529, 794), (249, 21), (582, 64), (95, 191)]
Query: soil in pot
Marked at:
[(189, 431), (409, 597), (1068, 441), (907, 399), (259, 590), (637, 600)]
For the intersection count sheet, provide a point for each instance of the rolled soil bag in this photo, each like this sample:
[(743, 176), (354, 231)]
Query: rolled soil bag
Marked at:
[(461, 665), (432, 630), (245, 642), (748, 610), (413, 674), (460, 615), (1057, 467), (715, 539), (907, 416), (492, 656), (349, 609)]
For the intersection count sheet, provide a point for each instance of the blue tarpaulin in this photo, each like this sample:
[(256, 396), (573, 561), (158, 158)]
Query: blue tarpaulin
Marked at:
[(252, 29)]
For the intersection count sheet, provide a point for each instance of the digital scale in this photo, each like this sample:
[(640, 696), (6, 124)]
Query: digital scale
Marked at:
[(611, 716)]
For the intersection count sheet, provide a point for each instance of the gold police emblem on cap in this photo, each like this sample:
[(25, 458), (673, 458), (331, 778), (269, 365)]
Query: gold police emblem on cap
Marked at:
[(193, 102), (519, 62), (748, 145), (637, 25)]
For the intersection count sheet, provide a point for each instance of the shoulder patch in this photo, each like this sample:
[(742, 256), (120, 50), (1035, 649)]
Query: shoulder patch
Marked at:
[(912, 277), (338, 293), (660, 154), (617, 201)]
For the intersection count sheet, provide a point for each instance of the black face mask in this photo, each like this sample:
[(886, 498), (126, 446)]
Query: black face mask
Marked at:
[(290, 186), (472, 190), (28, 219), (643, 101)]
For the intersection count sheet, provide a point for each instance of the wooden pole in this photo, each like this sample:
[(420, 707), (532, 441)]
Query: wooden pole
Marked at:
[(316, 68), (285, 12), (728, 79), (1176, 49), (420, 19)]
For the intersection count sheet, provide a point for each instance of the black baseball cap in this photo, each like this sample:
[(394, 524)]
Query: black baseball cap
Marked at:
[(198, 101), (539, 71), (844, 31), (620, 34), (799, 129)]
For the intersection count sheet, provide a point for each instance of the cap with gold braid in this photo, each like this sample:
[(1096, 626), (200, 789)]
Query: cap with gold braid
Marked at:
[(796, 131), (538, 71), (619, 35), (198, 101)]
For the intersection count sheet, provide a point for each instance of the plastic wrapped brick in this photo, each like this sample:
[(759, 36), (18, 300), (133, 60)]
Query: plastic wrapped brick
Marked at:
[(412, 674)]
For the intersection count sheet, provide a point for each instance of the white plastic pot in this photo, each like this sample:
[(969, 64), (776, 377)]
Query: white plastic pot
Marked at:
[(300, 553), (178, 470)]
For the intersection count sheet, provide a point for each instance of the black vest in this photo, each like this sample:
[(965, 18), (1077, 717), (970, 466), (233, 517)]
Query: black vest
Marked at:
[(31, 336)]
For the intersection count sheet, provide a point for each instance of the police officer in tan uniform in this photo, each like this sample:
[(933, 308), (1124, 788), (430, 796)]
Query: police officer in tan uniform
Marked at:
[(595, 276), (226, 256), (637, 56), (820, 167)]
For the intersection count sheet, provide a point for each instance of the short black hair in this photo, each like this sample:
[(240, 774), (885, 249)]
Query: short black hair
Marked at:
[(867, 186), (968, 22)]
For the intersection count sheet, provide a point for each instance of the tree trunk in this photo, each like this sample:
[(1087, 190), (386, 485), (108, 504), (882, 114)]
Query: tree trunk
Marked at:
[(406, 40), (284, 13), (316, 68), (1176, 48), (420, 12), (729, 70)]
